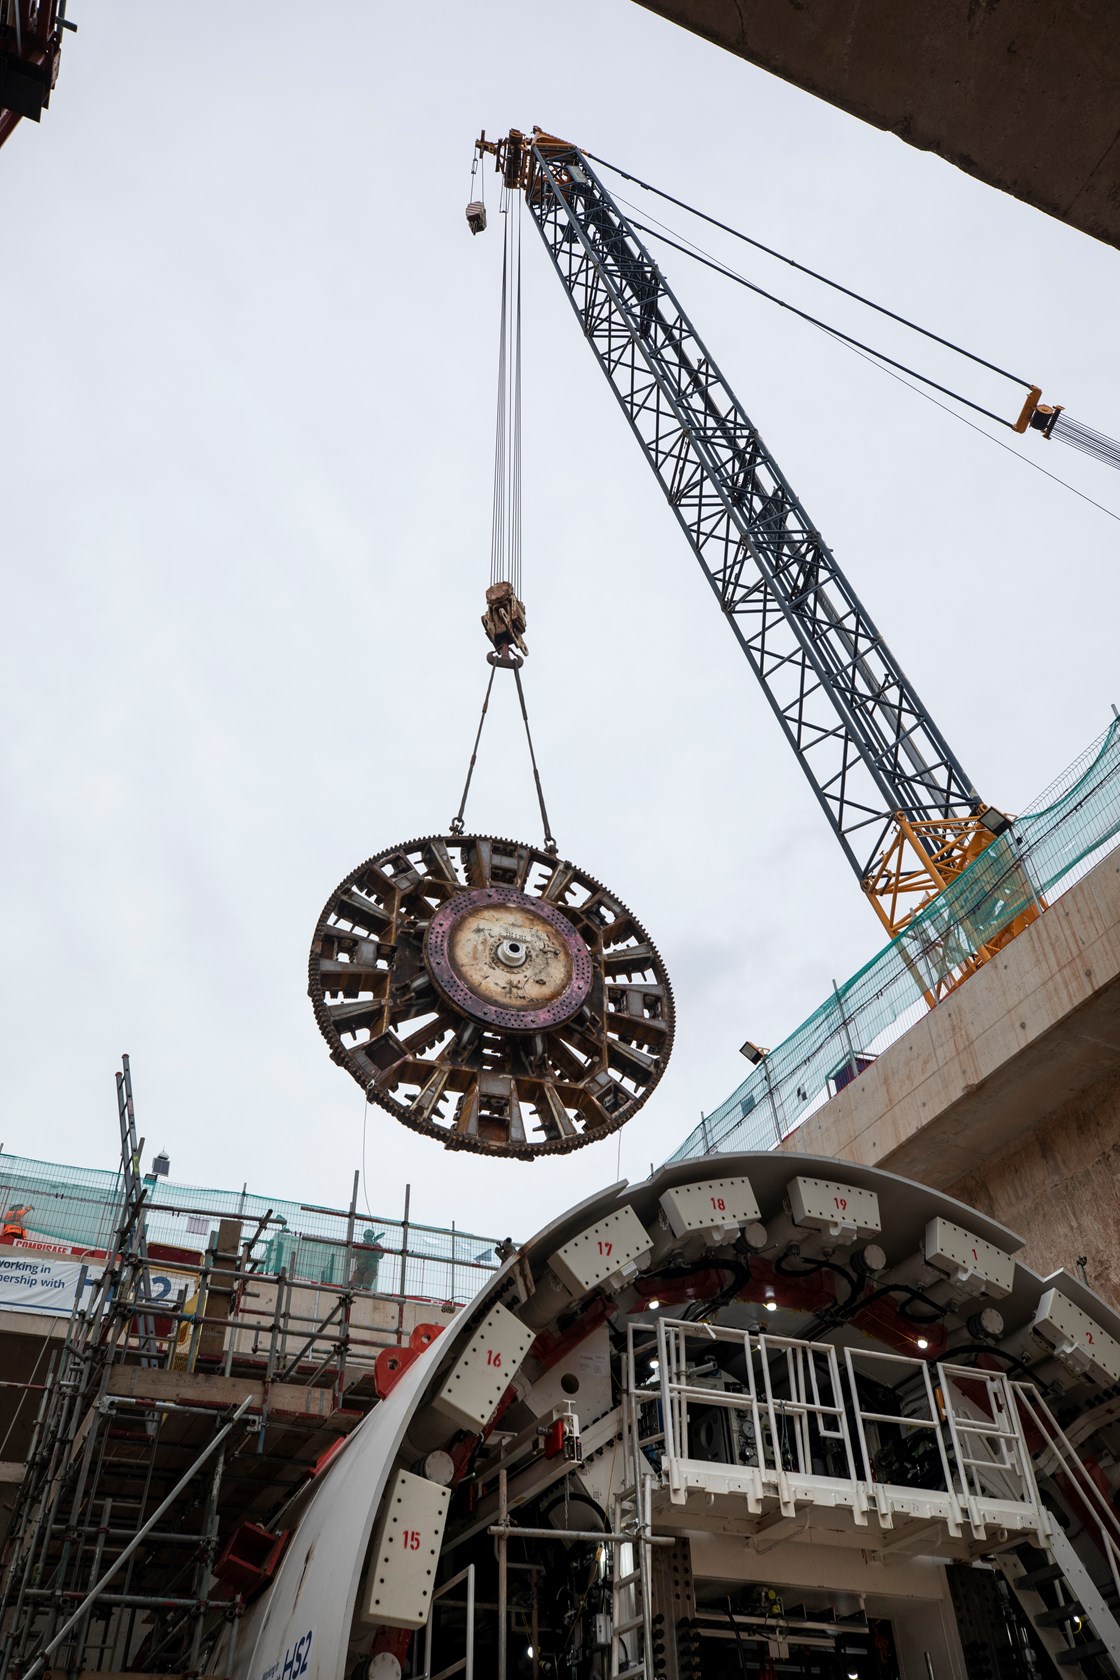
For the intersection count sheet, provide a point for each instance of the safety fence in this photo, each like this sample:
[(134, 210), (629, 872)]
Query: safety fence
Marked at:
[(73, 1209), (1046, 849)]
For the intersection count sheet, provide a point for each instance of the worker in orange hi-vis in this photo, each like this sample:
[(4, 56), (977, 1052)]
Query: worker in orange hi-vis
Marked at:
[(13, 1229)]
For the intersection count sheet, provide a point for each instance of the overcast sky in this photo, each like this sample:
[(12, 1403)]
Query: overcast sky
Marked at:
[(248, 373)]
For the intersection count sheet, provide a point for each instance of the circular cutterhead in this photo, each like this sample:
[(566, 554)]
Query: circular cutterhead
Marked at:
[(508, 960), (491, 995)]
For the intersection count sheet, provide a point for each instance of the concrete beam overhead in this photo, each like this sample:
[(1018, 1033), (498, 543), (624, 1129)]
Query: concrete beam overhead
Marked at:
[(1020, 95)]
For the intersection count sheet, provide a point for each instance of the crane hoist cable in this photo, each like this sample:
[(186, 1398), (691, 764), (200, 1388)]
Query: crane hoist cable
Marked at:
[(504, 618), (1054, 423)]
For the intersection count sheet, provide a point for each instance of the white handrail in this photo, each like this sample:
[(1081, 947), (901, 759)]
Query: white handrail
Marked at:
[(1066, 1454), (795, 1395), (465, 1664)]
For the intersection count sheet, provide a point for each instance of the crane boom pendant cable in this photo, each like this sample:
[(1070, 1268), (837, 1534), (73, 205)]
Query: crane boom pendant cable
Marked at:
[(1052, 421), (791, 262), (833, 332)]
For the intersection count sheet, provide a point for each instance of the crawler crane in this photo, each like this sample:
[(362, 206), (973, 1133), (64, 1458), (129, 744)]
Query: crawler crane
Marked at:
[(907, 816)]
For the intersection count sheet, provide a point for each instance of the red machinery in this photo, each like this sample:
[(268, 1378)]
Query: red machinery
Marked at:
[(30, 43)]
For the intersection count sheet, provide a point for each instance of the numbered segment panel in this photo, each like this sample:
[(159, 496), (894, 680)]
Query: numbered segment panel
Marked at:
[(603, 1250), (406, 1551), (483, 1372), (969, 1259), (710, 1205), (822, 1205), (1070, 1331)]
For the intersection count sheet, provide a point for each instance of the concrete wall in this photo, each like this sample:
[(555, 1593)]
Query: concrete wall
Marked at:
[(1008, 1094), (1060, 1187)]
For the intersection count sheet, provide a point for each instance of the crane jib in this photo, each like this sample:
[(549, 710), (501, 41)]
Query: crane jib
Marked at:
[(867, 744)]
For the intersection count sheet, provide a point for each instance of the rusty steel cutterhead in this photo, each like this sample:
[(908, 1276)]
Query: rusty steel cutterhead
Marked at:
[(491, 995), (471, 912)]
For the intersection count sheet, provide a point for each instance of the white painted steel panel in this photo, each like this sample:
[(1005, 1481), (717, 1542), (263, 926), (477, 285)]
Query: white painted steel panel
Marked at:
[(711, 1204), (311, 1602), (612, 1246), (402, 1567), (825, 1205), (1076, 1338), (954, 1250), (484, 1370), (582, 1377)]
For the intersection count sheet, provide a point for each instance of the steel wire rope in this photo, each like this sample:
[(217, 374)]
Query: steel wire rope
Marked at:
[(549, 838), (1063, 429), (505, 530), (501, 421), (458, 818), (515, 442), (505, 534), (813, 274), (846, 338), (999, 443), (896, 370)]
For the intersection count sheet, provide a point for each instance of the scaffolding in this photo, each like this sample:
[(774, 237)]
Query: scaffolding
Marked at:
[(177, 1435)]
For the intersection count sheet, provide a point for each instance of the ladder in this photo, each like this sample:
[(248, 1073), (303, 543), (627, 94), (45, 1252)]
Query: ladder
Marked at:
[(631, 1596), (1073, 1622), (1071, 1614)]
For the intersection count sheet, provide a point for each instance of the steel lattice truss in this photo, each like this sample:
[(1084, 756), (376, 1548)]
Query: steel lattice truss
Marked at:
[(869, 748)]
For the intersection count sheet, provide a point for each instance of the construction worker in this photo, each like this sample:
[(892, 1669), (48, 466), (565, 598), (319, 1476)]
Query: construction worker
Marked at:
[(13, 1229), (368, 1259)]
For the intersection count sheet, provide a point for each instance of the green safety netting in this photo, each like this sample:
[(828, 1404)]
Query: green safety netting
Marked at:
[(1075, 818), (81, 1206)]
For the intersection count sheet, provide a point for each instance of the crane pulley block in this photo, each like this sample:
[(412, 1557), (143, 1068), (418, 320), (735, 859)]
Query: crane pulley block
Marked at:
[(504, 620)]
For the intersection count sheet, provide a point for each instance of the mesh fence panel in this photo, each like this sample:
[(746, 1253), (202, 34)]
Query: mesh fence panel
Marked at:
[(79, 1207), (1052, 844)]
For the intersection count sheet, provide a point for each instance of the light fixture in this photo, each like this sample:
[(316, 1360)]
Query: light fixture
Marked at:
[(922, 1343), (853, 1674), (653, 1305), (1075, 1624), (771, 1306)]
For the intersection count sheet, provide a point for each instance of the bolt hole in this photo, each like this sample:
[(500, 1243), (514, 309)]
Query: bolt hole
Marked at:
[(569, 1382)]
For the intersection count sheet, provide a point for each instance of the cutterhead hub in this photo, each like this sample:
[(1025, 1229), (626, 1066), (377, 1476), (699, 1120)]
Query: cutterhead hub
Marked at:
[(507, 959)]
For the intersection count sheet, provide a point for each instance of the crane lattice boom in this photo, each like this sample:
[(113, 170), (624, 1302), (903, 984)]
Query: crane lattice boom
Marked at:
[(907, 815)]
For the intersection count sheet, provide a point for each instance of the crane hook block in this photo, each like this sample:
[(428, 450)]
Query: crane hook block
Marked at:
[(476, 216), (504, 619)]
